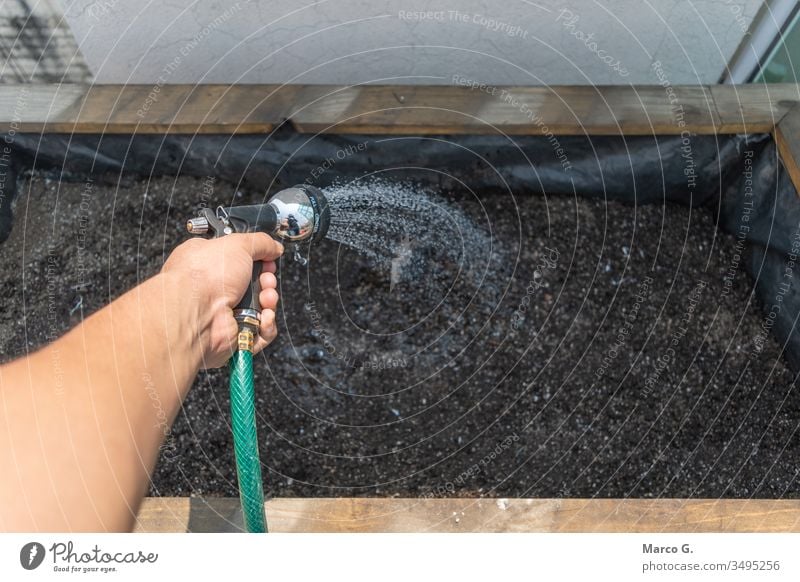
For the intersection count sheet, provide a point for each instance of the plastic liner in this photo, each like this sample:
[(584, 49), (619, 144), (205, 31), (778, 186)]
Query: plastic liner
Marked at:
[(740, 175)]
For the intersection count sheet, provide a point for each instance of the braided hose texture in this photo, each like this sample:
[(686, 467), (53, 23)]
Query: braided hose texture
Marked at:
[(245, 441)]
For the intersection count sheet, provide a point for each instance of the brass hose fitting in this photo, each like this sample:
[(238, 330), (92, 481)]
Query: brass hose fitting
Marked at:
[(249, 322), (246, 339)]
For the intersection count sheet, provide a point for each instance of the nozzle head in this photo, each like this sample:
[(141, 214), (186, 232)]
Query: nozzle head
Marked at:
[(302, 212)]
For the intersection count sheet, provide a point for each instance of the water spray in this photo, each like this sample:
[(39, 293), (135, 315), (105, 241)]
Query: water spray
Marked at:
[(295, 215)]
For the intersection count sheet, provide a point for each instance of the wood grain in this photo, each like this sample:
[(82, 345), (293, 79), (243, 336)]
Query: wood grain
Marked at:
[(753, 108), (565, 110), (787, 138), (147, 109), (560, 110), (476, 515)]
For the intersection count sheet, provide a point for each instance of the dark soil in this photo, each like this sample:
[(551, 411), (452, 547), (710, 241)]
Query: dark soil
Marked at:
[(603, 354)]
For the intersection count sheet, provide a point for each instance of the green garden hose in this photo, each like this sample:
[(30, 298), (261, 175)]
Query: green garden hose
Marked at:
[(245, 441), (293, 215)]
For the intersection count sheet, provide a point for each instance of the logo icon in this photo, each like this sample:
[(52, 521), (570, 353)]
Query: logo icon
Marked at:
[(31, 555)]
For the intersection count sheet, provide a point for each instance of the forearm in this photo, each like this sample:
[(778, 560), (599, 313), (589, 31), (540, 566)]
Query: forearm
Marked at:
[(85, 416)]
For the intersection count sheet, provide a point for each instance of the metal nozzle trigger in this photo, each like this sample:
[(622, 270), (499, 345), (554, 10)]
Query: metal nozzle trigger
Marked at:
[(222, 214), (298, 258)]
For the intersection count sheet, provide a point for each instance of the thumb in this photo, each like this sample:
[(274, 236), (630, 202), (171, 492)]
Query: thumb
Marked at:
[(261, 246)]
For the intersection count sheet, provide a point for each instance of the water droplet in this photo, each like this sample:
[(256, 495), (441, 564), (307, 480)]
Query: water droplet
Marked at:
[(399, 226)]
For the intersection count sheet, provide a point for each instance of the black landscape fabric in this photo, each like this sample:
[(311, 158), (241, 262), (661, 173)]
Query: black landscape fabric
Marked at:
[(631, 337)]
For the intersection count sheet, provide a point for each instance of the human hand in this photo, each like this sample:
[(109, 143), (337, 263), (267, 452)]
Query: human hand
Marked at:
[(215, 274)]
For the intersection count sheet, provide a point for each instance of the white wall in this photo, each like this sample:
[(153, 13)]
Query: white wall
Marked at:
[(37, 44), (353, 41)]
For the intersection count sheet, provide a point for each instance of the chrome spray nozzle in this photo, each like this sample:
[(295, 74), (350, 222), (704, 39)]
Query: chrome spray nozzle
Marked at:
[(296, 214), (302, 213)]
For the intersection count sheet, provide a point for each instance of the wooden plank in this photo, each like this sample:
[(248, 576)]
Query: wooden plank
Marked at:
[(148, 109), (787, 138), (753, 108), (563, 110), (476, 515)]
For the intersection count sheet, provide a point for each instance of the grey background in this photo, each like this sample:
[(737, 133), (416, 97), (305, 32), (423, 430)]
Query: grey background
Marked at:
[(358, 41)]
